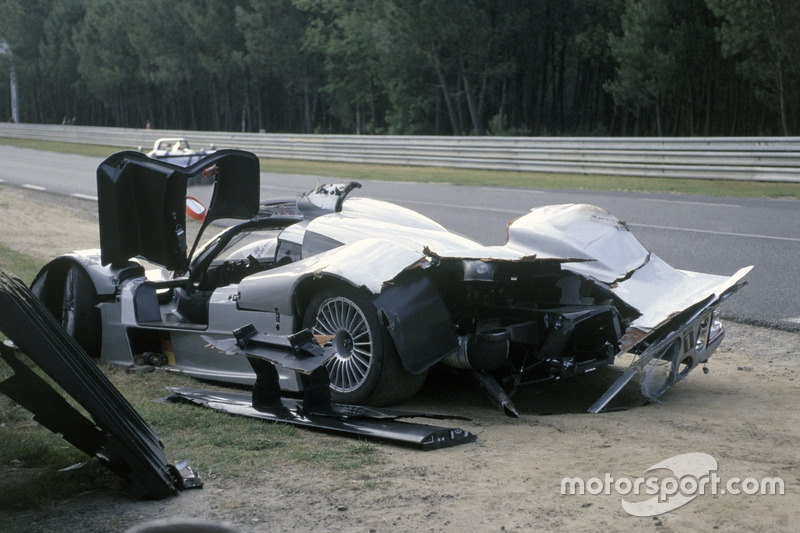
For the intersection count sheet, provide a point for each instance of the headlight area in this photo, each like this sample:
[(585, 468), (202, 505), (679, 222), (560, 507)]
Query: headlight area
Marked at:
[(717, 330), (709, 334), (700, 339), (681, 353)]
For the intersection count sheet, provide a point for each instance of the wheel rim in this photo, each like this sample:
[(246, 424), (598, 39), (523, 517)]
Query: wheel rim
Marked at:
[(351, 337)]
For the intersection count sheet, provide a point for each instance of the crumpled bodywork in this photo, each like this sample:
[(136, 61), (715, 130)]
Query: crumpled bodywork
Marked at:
[(582, 253), (616, 259)]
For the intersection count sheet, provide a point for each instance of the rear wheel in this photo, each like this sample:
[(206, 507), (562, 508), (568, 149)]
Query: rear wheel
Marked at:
[(79, 313), (366, 368)]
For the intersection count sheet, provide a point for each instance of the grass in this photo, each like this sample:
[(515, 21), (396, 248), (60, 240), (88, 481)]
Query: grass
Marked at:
[(218, 445), (90, 150), (204, 436), (38, 467), (19, 264), (488, 178), (536, 180)]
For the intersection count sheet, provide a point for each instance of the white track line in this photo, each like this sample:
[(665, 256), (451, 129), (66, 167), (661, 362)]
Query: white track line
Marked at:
[(725, 233), (688, 202), (84, 196)]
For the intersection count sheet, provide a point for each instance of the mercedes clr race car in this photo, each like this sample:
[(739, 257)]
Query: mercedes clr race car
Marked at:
[(393, 292), (177, 151)]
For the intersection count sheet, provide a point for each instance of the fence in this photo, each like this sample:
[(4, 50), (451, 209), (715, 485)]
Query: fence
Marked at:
[(729, 158)]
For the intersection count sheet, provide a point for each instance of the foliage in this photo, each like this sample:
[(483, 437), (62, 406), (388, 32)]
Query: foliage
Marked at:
[(763, 37), (443, 67), (647, 64)]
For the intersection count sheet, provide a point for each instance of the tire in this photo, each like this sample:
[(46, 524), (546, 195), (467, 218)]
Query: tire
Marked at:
[(79, 313), (366, 368)]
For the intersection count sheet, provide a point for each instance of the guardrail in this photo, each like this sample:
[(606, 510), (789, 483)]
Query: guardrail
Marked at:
[(729, 158)]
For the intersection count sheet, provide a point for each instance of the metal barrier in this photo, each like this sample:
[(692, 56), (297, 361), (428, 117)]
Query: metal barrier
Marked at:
[(728, 158)]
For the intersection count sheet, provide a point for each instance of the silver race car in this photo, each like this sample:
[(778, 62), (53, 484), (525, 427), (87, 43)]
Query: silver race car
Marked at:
[(393, 292)]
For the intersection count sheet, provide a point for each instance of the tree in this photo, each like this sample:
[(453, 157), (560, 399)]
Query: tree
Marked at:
[(273, 33), (107, 64), (59, 59), (343, 32), (412, 65), (9, 91), (500, 67), (457, 44), (167, 53), (762, 37), (645, 54), (217, 49), (21, 28), (590, 107)]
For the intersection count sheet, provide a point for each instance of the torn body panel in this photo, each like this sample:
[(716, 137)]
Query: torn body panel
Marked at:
[(686, 343), (580, 231), (380, 425), (368, 263), (115, 434), (301, 352)]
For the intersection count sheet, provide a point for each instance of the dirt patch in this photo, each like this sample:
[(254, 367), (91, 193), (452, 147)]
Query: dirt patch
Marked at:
[(46, 225), (743, 413)]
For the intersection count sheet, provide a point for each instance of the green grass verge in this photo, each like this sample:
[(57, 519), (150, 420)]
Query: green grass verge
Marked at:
[(230, 446), (488, 178), (19, 264), (220, 446), (536, 180), (90, 150)]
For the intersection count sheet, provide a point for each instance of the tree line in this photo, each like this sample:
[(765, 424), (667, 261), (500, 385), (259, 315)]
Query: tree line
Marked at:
[(424, 67)]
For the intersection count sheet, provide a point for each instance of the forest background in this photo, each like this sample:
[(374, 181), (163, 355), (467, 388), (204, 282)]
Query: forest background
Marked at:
[(408, 67)]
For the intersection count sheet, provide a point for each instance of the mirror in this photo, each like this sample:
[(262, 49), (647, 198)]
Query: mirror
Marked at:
[(195, 209)]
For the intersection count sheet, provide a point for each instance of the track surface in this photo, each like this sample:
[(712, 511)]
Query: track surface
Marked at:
[(706, 234)]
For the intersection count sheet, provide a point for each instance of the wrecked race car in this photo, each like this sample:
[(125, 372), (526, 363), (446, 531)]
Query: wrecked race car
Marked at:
[(391, 291)]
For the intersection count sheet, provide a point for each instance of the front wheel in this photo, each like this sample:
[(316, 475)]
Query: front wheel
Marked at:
[(366, 368)]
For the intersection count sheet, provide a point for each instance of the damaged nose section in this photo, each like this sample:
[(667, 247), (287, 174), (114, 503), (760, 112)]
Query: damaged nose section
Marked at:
[(667, 354), (671, 358)]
